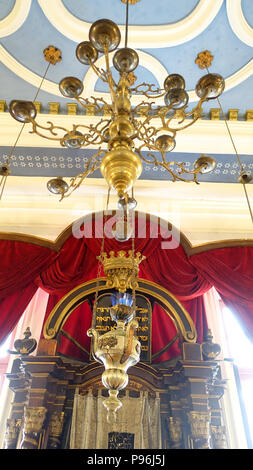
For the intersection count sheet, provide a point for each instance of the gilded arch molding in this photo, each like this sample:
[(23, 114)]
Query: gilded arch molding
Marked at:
[(78, 295)]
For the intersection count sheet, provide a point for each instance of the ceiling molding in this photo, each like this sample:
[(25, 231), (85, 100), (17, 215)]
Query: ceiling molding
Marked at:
[(90, 79), (205, 213), (16, 18), (238, 22), (139, 36), (204, 137)]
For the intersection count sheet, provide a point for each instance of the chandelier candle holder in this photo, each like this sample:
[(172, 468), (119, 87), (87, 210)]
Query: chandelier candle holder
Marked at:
[(117, 350), (130, 135)]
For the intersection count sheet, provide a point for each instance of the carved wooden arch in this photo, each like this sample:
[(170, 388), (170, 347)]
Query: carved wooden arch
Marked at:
[(184, 325)]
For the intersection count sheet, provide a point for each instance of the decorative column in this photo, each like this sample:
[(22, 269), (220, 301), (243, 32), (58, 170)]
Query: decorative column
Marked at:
[(34, 417), (19, 384), (175, 432), (219, 437), (55, 429), (200, 430), (194, 390), (11, 433)]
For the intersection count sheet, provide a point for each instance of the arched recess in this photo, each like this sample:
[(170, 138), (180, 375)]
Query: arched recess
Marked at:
[(184, 325)]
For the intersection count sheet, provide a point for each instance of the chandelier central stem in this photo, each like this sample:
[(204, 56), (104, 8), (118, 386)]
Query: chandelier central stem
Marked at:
[(126, 31)]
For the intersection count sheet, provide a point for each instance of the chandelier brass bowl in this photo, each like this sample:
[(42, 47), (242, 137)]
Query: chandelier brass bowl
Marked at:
[(57, 185), (22, 111), (104, 34), (211, 86), (86, 52), (174, 81), (125, 60), (73, 140), (206, 164), (128, 134), (70, 87)]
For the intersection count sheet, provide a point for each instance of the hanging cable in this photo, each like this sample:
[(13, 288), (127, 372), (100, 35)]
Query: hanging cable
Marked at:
[(100, 264), (126, 30), (5, 170), (237, 155)]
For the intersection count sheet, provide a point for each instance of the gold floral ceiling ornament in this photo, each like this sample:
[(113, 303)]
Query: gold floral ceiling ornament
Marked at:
[(131, 2), (204, 59), (129, 135), (52, 54)]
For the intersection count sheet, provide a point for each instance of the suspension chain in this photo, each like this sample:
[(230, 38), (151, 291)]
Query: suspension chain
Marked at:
[(100, 265)]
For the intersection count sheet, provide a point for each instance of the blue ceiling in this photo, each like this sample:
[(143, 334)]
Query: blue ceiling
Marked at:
[(27, 43)]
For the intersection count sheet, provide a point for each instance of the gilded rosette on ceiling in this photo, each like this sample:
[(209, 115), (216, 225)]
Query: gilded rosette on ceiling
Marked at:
[(131, 2), (121, 269)]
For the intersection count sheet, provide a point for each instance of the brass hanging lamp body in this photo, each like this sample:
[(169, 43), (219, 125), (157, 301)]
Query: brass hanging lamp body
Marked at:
[(121, 166)]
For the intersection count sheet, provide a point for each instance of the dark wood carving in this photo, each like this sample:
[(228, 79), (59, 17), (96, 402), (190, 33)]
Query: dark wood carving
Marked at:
[(44, 386)]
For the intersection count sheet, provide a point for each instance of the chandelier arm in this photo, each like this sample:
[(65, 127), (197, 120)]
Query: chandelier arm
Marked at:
[(195, 113), (100, 73), (167, 165), (159, 114), (85, 101), (189, 124), (145, 159), (143, 133), (111, 82), (182, 170), (49, 128), (94, 136), (156, 93), (92, 165), (144, 107)]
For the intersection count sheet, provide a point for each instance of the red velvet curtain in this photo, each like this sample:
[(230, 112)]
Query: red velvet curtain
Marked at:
[(230, 271), (20, 263), (25, 266)]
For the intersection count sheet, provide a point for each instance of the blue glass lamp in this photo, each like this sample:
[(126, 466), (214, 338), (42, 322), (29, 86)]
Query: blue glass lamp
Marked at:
[(121, 298)]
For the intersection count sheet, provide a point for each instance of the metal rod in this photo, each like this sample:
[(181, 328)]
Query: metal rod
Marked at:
[(7, 162), (126, 31), (99, 270), (21, 130), (2, 183), (236, 153)]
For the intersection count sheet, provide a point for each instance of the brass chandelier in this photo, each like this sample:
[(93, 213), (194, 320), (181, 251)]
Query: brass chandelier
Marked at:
[(125, 139)]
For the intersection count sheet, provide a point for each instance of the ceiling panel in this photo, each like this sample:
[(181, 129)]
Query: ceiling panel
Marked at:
[(168, 39)]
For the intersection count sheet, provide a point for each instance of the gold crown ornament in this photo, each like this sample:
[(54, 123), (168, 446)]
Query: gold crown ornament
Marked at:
[(121, 269)]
